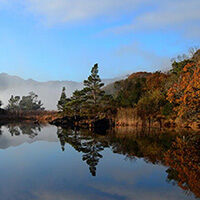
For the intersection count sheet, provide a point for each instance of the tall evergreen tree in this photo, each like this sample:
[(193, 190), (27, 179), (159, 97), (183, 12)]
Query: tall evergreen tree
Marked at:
[(62, 101), (91, 101), (93, 86)]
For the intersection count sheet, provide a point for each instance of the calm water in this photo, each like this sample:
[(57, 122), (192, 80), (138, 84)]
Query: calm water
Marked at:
[(46, 162)]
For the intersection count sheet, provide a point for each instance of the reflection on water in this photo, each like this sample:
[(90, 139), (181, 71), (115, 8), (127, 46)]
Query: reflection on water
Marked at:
[(17, 134), (183, 159), (126, 163), (89, 144), (179, 151), (26, 129)]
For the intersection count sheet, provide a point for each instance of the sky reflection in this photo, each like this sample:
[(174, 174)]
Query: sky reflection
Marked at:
[(37, 168)]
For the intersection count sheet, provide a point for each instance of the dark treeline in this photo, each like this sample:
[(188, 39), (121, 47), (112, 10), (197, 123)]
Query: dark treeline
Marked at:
[(173, 95)]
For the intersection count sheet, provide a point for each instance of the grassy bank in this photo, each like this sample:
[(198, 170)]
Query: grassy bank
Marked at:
[(35, 116), (129, 117)]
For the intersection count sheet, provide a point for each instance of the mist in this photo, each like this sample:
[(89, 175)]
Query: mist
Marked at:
[(48, 92)]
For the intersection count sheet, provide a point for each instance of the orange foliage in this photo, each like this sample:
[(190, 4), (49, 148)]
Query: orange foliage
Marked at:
[(139, 75), (184, 158), (186, 93), (156, 81)]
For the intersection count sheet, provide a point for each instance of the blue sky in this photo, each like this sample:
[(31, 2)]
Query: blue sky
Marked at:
[(62, 39)]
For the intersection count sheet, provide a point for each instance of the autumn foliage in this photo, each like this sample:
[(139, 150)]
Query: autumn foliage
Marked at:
[(163, 95), (183, 158), (172, 96), (156, 81), (185, 94)]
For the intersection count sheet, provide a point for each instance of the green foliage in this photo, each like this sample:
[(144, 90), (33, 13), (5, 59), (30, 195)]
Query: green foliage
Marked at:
[(74, 105), (150, 104), (30, 103), (129, 91), (62, 101), (13, 103), (167, 109), (177, 67), (91, 100), (93, 85), (147, 92), (27, 103)]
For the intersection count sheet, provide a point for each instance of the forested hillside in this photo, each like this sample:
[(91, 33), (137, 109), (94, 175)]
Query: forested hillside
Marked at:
[(172, 97), (174, 94)]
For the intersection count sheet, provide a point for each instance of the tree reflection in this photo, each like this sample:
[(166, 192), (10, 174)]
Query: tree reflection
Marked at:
[(83, 142), (1, 132), (14, 130), (92, 155), (149, 145), (29, 129), (183, 159), (178, 150)]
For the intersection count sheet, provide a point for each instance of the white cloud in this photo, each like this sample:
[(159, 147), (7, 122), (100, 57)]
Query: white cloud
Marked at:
[(150, 59), (153, 14), (179, 15), (172, 12), (62, 11)]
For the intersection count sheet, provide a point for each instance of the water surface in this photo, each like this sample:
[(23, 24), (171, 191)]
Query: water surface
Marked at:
[(46, 162)]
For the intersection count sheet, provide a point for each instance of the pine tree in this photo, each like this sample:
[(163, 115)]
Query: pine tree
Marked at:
[(62, 101), (91, 101), (93, 86), (74, 105)]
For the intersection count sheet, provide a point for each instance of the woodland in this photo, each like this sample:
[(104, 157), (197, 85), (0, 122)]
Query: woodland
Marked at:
[(170, 99)]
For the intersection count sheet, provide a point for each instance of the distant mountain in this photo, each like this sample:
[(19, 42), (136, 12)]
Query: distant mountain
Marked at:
[(48, 92)]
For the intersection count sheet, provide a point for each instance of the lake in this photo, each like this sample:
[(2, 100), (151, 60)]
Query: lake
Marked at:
[(40, 162)]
